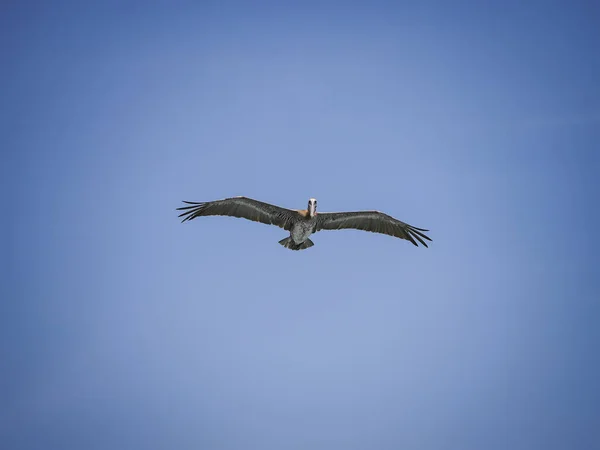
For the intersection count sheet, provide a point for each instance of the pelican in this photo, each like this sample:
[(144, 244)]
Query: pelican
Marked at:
[(301, 223)]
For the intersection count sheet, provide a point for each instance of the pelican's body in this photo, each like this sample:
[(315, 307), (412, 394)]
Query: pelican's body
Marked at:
[(302, 229), (302, 223)]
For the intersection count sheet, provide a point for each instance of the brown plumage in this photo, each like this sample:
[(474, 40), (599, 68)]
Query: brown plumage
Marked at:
[(302, 223)]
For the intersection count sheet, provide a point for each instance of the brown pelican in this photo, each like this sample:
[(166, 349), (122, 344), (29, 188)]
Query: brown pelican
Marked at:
[(304, 222)]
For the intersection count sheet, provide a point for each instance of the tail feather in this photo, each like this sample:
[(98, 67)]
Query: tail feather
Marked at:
[(289, 243)]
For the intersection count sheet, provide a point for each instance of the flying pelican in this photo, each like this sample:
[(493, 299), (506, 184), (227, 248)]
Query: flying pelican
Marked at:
[(301, 223)]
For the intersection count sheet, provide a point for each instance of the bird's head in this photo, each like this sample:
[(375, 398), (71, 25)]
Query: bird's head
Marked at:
[(312, 207)]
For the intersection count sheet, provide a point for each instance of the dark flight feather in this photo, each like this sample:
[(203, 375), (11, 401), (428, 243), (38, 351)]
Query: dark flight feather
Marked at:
[(373, 221), (241, 207)]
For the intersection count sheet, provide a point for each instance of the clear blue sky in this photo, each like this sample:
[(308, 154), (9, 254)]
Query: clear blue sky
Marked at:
[(122, 328)]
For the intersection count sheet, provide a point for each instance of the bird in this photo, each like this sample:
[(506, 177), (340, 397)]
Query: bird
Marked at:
[(302, 223)]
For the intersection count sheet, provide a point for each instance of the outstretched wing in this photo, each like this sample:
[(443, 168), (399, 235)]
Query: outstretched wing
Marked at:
[(243, 207), (374, 221)]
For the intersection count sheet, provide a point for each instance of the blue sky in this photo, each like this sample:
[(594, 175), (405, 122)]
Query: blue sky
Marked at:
[(121, 327)]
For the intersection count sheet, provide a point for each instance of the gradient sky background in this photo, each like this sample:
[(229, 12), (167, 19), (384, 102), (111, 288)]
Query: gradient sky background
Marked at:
[(122, 328)]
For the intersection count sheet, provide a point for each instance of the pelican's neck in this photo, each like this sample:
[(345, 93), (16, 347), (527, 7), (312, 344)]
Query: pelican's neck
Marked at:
[(312, 208)]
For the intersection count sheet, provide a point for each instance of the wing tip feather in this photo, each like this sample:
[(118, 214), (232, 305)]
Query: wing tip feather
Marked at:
[(191, 212)]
